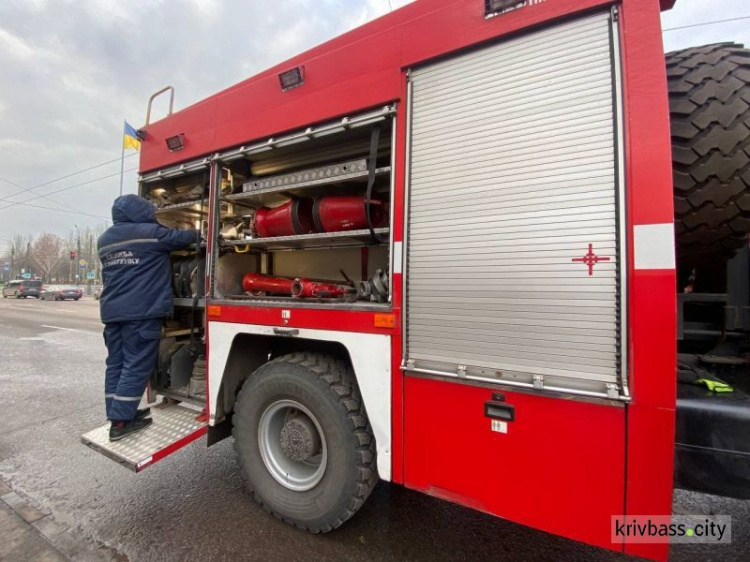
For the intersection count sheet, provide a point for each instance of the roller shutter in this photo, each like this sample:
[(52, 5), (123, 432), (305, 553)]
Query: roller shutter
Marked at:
[(512, 249)]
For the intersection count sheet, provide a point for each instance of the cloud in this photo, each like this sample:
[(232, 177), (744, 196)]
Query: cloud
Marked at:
[(71, 70)]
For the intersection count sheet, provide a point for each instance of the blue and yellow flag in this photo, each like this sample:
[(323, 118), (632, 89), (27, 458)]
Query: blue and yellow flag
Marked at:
[(130, 138)]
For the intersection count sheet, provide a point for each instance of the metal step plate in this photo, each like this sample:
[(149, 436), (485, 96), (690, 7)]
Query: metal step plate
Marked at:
[(174, 427)]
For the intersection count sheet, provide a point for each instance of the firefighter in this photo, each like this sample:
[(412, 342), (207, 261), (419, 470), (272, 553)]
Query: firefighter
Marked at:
[(136, 298)]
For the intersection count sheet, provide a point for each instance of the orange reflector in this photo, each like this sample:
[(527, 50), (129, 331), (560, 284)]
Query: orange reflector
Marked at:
[(385, 321), (214, 310)]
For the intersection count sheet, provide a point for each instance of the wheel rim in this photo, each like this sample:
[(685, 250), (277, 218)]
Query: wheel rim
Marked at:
[(292, 445)]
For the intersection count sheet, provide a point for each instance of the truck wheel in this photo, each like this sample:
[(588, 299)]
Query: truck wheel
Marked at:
[(709, 105), (304, 443)]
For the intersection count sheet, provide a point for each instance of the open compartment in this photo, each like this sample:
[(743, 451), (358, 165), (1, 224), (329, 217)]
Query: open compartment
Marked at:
[(311, 217), (181, 197)]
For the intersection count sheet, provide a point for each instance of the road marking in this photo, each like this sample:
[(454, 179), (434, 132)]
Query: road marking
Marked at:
[(59, 328)]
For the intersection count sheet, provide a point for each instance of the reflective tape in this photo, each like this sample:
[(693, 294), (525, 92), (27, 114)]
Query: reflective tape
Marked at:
[(124, 242), (127, 398)]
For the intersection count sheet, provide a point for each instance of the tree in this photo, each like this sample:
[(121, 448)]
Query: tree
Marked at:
[(47, 254)]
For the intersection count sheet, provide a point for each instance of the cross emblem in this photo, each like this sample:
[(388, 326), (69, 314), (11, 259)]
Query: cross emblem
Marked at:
[(591, 259)]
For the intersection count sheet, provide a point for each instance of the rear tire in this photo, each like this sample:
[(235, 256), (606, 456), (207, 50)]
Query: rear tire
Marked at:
[(709, 104), (325, 387)]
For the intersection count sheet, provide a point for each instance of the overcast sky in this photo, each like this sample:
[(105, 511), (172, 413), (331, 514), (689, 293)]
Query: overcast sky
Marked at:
[(71, 70)]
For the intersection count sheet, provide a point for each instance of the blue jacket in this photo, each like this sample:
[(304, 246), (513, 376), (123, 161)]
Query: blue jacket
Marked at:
[(136, 269)]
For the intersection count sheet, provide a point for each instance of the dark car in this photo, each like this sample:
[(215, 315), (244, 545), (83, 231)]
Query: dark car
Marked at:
[(23, 288), (61, 293)]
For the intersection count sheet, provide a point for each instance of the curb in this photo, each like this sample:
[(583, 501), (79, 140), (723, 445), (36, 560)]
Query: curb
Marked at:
[(57, 536)]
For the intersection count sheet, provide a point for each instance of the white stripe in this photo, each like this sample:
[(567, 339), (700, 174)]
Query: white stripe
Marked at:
[(127, 398), (136, 241), (109, 395), (58, 328), (654, 246)]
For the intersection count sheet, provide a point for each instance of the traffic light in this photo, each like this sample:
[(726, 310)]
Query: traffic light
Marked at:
[(72, 255)]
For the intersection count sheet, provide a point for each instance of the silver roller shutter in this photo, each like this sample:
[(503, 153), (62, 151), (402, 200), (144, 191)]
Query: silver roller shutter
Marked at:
[(512, 177)]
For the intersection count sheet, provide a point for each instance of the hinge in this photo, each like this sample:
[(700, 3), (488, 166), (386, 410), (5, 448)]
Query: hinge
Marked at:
[(612, 391), (538, 382), (409, 364), (615, 13), (462, 371)]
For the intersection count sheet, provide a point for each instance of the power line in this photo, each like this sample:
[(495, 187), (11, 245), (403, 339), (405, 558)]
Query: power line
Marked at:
[(13, 203), (8, 197), (390, 5), (64, 211), (58, 203), (706, 23)]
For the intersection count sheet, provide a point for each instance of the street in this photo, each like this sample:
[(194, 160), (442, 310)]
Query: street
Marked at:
[(193, 504)]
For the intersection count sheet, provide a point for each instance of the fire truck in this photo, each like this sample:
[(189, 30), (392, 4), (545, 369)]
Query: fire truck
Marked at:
[(439, 252)]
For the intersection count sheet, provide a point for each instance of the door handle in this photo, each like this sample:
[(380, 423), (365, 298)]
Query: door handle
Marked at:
[(286, 331), (500, 411)]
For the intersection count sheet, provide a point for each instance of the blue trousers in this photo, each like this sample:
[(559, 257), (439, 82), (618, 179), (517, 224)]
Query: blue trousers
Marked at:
[(133, 350)]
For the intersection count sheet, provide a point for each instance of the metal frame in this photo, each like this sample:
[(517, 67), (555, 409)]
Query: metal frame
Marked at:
[(613, 392), (622, 207)]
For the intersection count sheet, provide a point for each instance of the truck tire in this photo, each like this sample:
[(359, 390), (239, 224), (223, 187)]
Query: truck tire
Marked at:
[(304, 442), (709, 105)]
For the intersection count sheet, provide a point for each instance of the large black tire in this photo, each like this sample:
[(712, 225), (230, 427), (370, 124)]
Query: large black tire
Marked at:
[(326, 386), (709, 104)]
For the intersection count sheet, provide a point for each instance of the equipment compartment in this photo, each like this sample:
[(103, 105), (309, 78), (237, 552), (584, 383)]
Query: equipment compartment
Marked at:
[(311, 220)]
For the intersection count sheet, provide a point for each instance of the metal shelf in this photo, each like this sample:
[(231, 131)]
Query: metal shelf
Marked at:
[(276, 190), (179, 301), (318, 240), (193, 207)]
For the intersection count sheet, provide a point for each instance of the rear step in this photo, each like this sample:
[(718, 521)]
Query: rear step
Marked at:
[(174, 427)]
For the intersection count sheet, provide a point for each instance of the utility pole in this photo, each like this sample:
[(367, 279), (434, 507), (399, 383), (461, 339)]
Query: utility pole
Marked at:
[(12, 260), (78, 255)]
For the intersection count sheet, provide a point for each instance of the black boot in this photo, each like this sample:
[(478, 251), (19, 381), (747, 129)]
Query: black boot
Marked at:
[(120, 429), (142, 413)]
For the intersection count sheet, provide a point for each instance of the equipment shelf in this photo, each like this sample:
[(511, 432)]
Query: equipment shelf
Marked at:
[(201, 303), (276, 192), (194, 207), (317, 240)]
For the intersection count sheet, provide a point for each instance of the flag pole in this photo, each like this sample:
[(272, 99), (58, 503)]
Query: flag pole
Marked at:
[(122, 158)]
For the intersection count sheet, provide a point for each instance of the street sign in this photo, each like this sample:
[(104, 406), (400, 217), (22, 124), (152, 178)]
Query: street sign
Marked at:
[(91, 275), (82, 263), (26, 275), (82, 266)]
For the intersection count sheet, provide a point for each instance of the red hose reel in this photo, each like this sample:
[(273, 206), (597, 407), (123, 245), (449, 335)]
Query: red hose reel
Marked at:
[(331, 213), (293, 217)]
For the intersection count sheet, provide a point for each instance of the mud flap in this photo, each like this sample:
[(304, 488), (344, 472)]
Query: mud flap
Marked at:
[(174, 427)]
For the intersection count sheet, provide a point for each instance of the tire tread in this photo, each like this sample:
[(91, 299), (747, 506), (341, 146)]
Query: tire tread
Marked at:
[(709, 100)]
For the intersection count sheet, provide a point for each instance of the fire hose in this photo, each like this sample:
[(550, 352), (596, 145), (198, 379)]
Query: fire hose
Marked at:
[(257, 284)]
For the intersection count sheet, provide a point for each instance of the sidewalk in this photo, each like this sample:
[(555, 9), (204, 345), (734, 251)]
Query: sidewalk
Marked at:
[(21, 541), (30, 534)]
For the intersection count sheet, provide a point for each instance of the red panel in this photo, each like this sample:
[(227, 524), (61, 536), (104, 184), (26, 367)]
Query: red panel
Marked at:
[(652, 293), (650, 470), (560, 467), (340, 320)]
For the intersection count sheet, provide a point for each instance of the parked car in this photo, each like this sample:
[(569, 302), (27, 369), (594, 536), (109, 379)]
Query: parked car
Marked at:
[(61, 293), (23, 288)]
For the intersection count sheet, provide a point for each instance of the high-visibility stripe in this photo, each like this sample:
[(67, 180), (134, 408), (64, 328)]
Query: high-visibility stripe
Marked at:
[(124, 242), (128, 398), (109, 395)]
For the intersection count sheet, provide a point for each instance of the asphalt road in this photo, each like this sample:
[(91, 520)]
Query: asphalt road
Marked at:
[(192, 505)]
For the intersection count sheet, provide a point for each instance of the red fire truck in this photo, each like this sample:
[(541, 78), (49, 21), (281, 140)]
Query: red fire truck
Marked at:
[(439, 252)]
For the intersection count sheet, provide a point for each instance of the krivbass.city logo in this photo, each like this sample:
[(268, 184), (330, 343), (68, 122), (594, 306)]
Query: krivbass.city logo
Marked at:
[(685, 529)]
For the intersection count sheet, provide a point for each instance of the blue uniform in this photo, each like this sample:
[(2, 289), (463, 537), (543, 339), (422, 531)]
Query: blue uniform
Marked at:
[(136, 298)]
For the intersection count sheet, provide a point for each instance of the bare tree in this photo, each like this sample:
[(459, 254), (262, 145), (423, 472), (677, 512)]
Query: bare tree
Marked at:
[(47, 253)]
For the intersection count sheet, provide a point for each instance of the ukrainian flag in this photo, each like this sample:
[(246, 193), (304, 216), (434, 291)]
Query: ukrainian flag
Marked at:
[(130, 138)]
